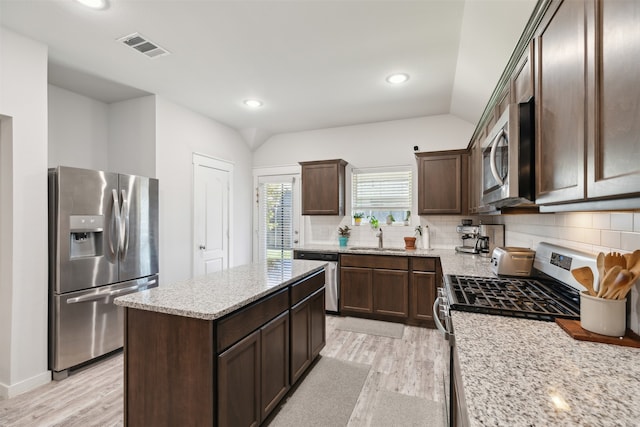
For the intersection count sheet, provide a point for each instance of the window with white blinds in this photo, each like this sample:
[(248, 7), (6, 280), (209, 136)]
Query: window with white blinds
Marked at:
[(382, 191), (276, 219)]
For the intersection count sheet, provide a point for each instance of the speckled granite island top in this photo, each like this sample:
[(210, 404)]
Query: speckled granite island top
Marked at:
[(520, 372), (215, 295)]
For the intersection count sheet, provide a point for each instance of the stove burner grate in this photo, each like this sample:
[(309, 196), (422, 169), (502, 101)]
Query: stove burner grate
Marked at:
[(530, 298)]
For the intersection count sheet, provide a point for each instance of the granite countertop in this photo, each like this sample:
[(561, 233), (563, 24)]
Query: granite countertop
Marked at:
[(452, 261), (215, 295), (518, 372)]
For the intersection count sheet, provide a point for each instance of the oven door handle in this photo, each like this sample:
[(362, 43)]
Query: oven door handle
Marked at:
[(436, 318)]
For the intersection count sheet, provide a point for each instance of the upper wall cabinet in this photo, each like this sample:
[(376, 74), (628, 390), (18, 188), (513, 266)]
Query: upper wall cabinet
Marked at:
[(522, 85), (442, 182), (587, 103), (613, 149), (323, 187), (561, 60)]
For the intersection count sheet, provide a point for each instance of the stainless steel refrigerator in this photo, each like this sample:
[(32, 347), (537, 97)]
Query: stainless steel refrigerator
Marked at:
[(103, 243)]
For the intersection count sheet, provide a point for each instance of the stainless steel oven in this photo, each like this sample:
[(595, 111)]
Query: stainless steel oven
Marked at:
[(508, 172), (550, 293)]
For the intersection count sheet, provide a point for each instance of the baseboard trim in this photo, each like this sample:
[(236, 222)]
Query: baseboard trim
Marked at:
[(9, 391)]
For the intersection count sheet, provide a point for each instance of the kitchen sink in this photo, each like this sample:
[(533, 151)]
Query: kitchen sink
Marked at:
[(363, 248)]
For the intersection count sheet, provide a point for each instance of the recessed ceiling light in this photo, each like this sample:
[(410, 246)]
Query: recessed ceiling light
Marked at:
[(395, 79), (95, 4), (253, 103)]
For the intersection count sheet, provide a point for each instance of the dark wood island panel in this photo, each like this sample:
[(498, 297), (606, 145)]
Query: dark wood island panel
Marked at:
[(165, 385), (228, 371)]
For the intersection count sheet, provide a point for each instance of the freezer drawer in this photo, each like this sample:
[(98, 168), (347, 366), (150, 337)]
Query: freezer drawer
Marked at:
[(87, 324)]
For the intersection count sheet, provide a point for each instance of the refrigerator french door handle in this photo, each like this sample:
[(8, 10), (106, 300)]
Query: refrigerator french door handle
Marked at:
[(115, 223), (89, 298), (124, 239), (492, 158), (131, 289)]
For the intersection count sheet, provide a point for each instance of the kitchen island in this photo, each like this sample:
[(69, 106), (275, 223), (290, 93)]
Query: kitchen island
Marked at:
[(221, 349)]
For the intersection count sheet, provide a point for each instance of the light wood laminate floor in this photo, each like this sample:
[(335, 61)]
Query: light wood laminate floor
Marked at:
[(412, 365)]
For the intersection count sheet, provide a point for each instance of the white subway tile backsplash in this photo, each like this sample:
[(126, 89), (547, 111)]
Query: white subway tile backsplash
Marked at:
[(629, 241), (610, 239), (622, 221), (602, 221), (636, 222), (578, 219)]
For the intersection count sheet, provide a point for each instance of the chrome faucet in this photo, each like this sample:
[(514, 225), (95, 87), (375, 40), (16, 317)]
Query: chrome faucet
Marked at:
[(379, 236)]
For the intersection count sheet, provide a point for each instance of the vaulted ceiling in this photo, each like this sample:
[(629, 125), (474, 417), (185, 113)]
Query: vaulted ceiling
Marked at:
[(314, 64)]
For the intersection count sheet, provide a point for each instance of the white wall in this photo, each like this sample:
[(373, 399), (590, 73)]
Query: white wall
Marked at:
[(78, 130), (375, 144), (484, 53), (179, 133), (23, 97), (132, 136)]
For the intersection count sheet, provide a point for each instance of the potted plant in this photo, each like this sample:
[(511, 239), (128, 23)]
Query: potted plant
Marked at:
[(343, 235), (373, 221), (357, 217), (409, 243), (390, 219), (407, 217)]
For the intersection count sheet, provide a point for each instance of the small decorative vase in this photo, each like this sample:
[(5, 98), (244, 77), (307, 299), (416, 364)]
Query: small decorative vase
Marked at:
[(409, 243), (343, 240)]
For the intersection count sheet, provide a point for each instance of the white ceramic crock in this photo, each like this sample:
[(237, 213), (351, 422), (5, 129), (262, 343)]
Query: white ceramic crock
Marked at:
[(603, 316)]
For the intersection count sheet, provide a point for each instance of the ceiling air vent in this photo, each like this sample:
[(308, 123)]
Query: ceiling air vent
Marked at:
[(143, 45)]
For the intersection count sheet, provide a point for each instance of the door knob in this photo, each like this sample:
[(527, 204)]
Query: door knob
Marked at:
[(203, 247)]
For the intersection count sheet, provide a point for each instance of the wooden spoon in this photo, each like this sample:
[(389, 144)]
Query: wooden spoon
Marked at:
[(632, 259), (600, 265), (584, 276), (622, 280), (624, 290), (608, 279), (612, 259)]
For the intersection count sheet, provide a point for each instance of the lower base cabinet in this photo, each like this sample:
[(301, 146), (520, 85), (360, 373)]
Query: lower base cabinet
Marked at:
[(389, 287), (308, 333), (239, 378), (253, 375)]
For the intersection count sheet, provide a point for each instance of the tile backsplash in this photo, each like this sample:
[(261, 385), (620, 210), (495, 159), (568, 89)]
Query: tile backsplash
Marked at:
[(587, 231)]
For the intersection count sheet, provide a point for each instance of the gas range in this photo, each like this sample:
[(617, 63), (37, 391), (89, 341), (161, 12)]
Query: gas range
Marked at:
[(551, 293), (526, 298)]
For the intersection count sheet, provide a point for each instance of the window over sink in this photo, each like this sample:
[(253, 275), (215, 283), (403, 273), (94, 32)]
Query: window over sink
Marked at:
[(384, 194)]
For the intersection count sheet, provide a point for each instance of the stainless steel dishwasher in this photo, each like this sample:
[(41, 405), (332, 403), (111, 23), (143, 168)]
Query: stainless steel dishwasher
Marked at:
[(332, 285)]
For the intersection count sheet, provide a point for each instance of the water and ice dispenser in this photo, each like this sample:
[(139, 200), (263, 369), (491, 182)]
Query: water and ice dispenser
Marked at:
[(86, 234)]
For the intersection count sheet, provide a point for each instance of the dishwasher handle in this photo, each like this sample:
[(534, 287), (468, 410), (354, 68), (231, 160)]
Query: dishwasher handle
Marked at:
[(436, 318)]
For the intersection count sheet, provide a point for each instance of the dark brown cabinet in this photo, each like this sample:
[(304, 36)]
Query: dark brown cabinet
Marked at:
[(231, 371), (375, 286), (522, 84), (323, 187), (442, 182), (560, 104), (356, 292), (274, 379), (613, 147), (424, 282), (239, 383), (308, 328), (308, 333), (391, 293), (389, 287)]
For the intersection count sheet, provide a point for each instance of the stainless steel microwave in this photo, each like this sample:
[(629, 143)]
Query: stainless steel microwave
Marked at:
[(508, 158)]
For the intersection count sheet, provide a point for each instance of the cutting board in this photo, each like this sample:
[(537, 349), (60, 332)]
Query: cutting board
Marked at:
[(573, 328)]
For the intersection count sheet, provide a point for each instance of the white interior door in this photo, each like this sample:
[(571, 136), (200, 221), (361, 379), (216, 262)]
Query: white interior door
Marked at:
[(212, 191)]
